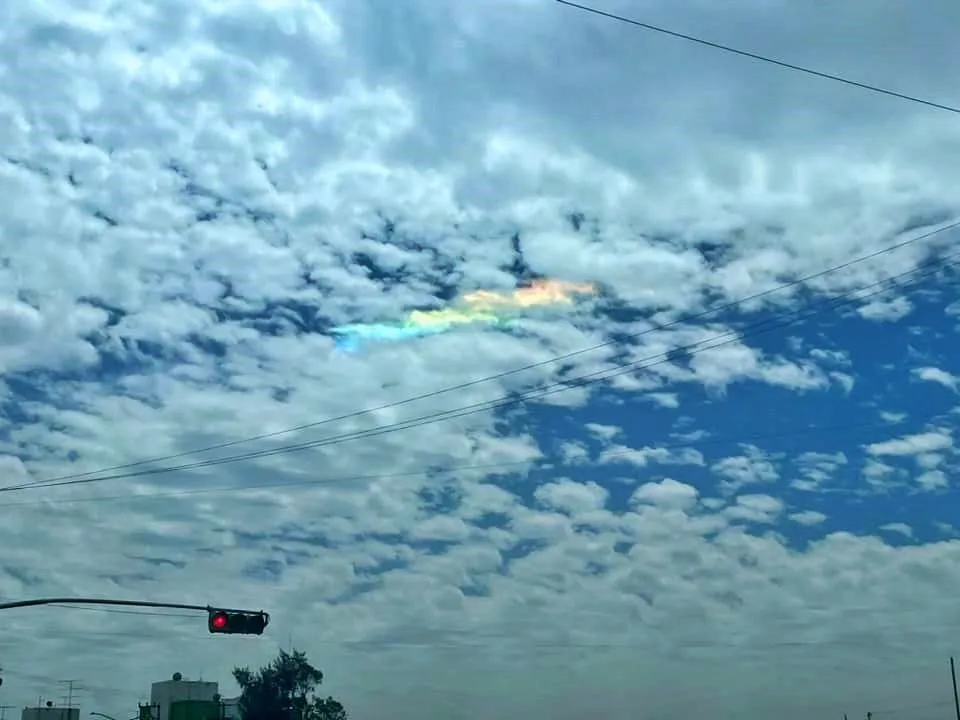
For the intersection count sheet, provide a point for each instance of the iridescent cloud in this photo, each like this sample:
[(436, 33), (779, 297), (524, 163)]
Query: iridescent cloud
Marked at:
[(486, 307)]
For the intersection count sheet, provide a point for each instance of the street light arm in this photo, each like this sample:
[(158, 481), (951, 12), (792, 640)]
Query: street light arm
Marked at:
[(98, 601), (246, 622), (107, 601)]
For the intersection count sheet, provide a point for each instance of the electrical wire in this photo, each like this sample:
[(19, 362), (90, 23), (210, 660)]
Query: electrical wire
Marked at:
[(490, 378), (912, 708), (473, 641), (756, 56), (544, 465), (758, 328), (99, 689), (117, 611), (50, 482), (348, 646), (470, 640), (933, 266)]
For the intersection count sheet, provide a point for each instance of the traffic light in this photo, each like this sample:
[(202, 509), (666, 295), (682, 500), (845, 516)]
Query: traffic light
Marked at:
[(236, 622)]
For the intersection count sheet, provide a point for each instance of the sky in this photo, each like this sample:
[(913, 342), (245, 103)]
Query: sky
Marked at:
[(658, 502)]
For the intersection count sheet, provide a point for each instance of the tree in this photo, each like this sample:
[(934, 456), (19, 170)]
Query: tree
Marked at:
[(285, 690)]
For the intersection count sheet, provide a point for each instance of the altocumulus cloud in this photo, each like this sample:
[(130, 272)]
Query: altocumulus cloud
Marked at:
[(196, 193)]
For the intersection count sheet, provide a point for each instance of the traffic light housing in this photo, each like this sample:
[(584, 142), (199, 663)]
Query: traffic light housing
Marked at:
[(236, 622)]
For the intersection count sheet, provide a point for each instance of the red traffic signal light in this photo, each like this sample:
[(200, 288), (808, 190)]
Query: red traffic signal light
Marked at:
[(219, 621), (236, 622)]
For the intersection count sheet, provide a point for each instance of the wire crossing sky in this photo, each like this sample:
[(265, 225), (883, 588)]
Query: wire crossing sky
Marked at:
[(708, 462), (756, 56)]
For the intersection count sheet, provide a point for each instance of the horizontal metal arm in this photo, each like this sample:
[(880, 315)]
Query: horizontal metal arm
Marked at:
[(128, 603)]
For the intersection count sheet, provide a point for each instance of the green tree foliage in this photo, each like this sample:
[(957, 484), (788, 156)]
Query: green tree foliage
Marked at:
[(285, 690)]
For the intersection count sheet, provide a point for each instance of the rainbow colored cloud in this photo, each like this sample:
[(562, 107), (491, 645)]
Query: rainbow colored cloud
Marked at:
[(486, 307)]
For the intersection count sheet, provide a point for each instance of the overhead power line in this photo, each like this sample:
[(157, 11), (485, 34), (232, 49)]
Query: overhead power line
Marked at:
[(712, 343), (117, 611), (923, 270), (685, 319), (545, 463), (362, 646), (756, 56), (503, 401)]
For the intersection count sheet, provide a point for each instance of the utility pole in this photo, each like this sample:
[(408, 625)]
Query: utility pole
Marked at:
[(956, 698), (71, 686)]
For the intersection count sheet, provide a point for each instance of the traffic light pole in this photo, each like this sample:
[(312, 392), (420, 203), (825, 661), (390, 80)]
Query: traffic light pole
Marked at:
[(224, 621), (105, 601)]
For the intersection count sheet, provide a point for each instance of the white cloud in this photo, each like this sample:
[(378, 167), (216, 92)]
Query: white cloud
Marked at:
[(912, 444), (886, 310), (877, 472), (724, 365), (194, 193), (667, 400), (932, 480), (572, 453), (844, 380), (836, 357), (755, 508), (667, 493), (808, 517), (749, 469), (898, 528), (935, 375), (929, 461), (441, 528), (817, 468), (603, 432), (571, 497), (642, 457)]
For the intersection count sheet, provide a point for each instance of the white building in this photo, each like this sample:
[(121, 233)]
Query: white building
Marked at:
[(163, 693), (50, 712), (231, 708)]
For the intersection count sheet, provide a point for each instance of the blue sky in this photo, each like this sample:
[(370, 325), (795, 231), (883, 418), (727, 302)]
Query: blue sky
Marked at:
[(196, 193)]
